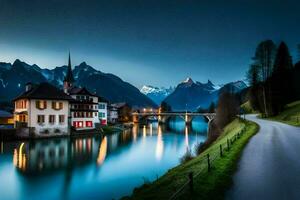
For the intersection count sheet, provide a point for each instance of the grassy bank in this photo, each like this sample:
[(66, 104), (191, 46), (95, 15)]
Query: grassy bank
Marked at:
[(248, 108), (207, 185), (291, 114)]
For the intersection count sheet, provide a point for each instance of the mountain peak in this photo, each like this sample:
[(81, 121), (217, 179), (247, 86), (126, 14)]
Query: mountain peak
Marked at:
[(209, 82), (188, 80), (83, 63), (17, 61)]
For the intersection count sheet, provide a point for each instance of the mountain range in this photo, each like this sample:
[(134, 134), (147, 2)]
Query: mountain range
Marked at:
[(190, 95), (155, 93), (13, 78)]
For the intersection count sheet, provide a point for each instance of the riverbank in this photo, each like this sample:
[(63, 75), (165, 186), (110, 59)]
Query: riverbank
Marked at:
[(12, 135), (208, 184)]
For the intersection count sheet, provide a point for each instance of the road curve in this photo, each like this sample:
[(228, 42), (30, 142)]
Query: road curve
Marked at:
[(269, 167)]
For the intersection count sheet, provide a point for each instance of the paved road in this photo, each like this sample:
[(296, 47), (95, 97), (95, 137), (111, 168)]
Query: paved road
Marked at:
[(270, 164)]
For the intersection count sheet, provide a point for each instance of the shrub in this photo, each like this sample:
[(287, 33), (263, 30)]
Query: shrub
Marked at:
[(186, 157), (198, 148)]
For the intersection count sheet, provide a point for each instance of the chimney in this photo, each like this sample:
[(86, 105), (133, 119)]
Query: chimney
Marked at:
[(28, 86)]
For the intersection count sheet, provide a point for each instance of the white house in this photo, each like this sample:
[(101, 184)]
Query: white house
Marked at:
[(102, 110), (42, 109), (84, 109)]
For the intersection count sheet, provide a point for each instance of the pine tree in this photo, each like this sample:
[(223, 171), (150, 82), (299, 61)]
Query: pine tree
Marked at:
[(281, 80)]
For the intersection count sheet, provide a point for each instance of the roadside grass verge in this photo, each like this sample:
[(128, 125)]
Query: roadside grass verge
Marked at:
[(208, 184), (291, 114)]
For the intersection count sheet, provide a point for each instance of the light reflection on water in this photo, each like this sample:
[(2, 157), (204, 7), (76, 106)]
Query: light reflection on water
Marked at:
[(102, 167)]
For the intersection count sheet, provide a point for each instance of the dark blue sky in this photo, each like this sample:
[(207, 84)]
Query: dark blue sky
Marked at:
[(147, 42)]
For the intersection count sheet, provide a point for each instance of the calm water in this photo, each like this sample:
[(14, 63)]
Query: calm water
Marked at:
[(94, 167)]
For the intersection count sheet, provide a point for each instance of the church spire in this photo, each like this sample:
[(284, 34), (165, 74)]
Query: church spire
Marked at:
[(69, 75), (69, 79)]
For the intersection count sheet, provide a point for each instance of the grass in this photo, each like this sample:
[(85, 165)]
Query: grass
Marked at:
[(248, 108), (208, 185), (291, 114)]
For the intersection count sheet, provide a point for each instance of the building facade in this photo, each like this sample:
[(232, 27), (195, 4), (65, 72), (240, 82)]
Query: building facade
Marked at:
[(42, 110), (102, 111), (83, 109), (84, 105)]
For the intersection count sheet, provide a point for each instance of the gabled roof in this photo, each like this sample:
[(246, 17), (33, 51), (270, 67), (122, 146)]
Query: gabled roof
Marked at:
[(80, 91), (44, 91), (119, 105)]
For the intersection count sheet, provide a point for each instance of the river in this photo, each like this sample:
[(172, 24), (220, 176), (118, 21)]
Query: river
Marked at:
[(102, 167)]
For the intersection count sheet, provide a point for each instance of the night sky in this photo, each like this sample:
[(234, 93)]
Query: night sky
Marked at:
[(147, 42)]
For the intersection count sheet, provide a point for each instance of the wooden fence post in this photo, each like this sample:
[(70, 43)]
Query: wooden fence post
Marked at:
[(191, 182), (208, 163), (221, 152)]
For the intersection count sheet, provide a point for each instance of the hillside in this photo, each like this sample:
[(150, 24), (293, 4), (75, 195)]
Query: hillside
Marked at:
[(291, 114)]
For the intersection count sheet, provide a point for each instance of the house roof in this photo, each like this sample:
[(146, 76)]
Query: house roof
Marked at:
[(119, 105), (80, 91), (44, 91), (5, 114)]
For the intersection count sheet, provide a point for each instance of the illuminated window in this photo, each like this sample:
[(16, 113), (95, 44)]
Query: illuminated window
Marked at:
[(41, 105), (21, 104), (57, 105), (89, 124)]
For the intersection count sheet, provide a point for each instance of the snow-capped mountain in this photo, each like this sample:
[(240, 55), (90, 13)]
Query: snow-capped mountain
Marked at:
[(193, 95), (13, 78), (155, 93)]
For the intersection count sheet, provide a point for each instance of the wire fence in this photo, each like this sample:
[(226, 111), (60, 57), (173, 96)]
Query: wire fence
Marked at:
[(295, 119), (206, 164)]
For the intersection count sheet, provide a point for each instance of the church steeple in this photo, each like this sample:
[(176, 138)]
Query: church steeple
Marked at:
[(69, 79)]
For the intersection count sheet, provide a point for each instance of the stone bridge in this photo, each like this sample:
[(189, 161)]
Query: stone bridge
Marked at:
[(164, 116)]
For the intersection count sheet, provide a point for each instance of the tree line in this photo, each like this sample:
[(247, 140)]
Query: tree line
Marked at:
[(274, 79)]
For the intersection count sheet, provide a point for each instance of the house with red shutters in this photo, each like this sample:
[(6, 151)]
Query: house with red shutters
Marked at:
[(84, 104)]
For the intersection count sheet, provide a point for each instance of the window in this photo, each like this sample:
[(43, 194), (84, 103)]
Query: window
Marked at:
[(89, 124), (41, 105), (89, 114), (101, 106), (41, 119), (78, 124), (21, 104), (51, 119), (61, 119), (22, 118), (95, 114), (57, 105)]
